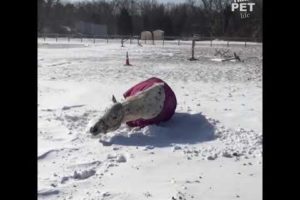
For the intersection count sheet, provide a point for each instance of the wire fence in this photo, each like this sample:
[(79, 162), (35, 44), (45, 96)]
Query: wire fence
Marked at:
[(137, 39)]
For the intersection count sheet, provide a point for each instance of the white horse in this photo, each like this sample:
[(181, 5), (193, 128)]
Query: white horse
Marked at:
[(146, 104)]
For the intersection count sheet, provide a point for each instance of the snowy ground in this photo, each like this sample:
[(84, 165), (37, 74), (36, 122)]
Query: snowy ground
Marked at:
[(211, 149)]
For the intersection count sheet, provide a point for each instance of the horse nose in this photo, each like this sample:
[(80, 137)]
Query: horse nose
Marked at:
[(93, 130)]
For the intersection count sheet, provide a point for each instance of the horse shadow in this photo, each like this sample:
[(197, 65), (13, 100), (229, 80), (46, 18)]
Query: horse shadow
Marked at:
[(182, 128)]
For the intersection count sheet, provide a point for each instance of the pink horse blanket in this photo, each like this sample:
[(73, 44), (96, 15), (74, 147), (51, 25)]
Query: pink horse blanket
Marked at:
[(168, 108)]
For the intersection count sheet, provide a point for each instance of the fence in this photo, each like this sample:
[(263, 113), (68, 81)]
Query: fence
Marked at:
[(93, 38)]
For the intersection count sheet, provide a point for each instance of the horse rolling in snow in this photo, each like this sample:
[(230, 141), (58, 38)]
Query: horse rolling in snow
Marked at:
[(149, 102)]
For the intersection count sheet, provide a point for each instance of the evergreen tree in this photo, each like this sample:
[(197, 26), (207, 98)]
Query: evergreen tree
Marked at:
[(124, 23)]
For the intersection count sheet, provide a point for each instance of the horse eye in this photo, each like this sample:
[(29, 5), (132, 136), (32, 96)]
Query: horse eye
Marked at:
[(114, 117)]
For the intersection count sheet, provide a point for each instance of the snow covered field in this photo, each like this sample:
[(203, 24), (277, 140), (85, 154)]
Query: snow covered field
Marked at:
[(211, 149)]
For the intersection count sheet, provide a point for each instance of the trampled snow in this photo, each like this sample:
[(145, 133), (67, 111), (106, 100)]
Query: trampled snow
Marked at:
[(210, 149)]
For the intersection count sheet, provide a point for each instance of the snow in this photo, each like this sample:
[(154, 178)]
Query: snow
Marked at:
[(210, 149)]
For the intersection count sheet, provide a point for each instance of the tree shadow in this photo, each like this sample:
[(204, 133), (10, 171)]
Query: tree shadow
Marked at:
[(182, 128)]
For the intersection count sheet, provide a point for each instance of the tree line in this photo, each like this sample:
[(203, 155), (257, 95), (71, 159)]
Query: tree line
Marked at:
[(130, 17)]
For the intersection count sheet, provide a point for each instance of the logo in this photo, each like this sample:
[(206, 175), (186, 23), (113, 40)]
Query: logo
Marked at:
[(245, 7)]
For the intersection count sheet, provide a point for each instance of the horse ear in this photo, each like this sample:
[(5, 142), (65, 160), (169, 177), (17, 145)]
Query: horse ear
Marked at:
[(114, 99)]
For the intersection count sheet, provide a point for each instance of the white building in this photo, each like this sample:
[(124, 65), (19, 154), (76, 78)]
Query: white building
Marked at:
[(146, 35), (158, 34)]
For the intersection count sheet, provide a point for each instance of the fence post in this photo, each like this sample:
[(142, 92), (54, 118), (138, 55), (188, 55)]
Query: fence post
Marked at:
[(193, 50), (122, 42), (81, 39), (227, 43), (68, 38), (245, 43), (211, 42), (107, 39), (178, 42), (56, 37), (94, 38), (163, 41), (44, 37)]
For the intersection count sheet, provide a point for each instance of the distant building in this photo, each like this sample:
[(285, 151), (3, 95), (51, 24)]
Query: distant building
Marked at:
[(91, 28), (158, 34), (146, 35)]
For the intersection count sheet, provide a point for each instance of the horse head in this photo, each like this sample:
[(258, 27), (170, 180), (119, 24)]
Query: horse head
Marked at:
[(110, 121)]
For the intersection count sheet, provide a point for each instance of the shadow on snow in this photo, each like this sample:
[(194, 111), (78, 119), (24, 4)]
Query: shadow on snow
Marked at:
[(182, 128)]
